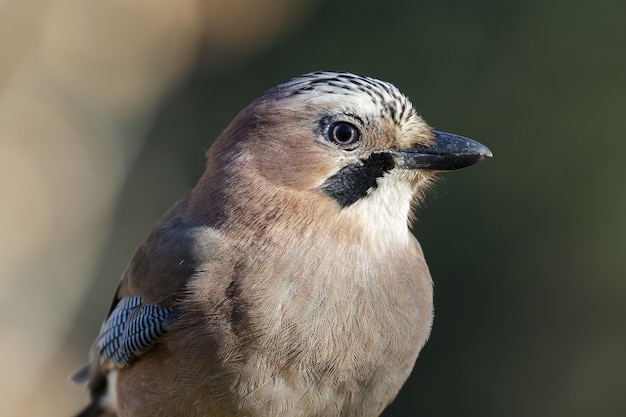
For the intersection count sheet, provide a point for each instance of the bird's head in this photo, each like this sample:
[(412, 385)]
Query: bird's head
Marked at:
[(339, 139)]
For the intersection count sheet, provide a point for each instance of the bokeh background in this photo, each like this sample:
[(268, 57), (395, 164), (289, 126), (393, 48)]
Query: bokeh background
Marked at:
[(106, 110)]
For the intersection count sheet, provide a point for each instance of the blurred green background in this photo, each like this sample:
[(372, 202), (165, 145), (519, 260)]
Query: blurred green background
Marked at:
[(106, 111)]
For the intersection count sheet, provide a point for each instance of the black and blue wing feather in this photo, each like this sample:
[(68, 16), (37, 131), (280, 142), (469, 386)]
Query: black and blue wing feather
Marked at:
[(130, 329)]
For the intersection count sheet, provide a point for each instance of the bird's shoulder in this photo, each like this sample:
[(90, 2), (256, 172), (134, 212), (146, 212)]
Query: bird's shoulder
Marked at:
[(174, 250), (148, 299)]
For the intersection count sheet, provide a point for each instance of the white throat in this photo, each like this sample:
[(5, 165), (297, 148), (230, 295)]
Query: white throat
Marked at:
[(385, 211)]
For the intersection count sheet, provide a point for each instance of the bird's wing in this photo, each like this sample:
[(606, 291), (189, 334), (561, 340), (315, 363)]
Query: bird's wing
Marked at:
[(130, 329), (145, 305)]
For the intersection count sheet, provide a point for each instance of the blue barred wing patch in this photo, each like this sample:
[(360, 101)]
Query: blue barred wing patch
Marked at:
[(131, 328)]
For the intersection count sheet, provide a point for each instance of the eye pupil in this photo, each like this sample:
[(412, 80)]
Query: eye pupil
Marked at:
[(344, 133)]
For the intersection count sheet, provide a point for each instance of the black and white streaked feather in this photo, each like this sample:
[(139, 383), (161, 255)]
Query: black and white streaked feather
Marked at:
[(384, 95), (130, 329)]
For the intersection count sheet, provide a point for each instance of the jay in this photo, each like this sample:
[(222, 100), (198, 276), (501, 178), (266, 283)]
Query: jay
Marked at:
[(287, 283)]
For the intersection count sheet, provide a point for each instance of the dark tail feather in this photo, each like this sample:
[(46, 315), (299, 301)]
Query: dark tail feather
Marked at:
[(98, 388), (96, 410)]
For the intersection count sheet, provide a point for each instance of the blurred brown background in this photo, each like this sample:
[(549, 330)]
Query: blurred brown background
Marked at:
[(106, 109)]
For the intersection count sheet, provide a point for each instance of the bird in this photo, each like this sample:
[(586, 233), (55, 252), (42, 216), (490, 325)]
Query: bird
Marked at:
[(287, 283)]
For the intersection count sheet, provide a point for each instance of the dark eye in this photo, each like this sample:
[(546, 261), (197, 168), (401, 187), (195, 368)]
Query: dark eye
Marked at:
[(343, 134)]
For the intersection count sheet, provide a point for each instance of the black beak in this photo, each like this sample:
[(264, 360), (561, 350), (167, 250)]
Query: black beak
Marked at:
[(448, 153)]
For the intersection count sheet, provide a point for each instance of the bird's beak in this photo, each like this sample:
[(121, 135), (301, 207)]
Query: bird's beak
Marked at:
[(448, 153)]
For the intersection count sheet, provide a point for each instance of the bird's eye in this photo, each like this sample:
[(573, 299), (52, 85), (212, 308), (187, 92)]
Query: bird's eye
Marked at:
[(344, 134)]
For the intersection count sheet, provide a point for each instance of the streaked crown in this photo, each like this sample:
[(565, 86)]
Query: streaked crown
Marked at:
[(345, 85)]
